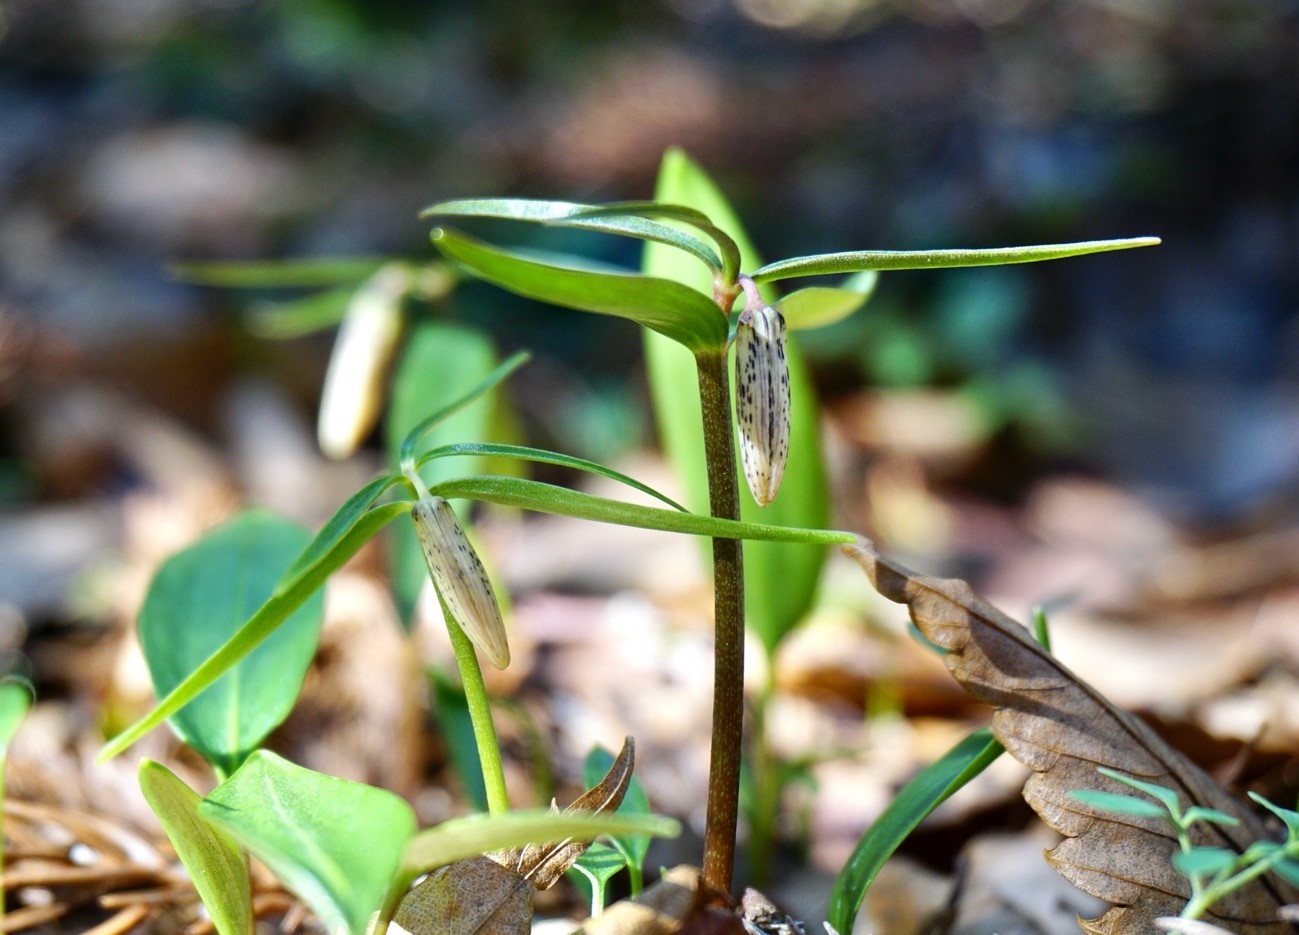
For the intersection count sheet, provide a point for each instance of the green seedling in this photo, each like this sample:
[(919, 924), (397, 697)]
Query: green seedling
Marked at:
[(602, 862), (16, 696), (1213, 872)]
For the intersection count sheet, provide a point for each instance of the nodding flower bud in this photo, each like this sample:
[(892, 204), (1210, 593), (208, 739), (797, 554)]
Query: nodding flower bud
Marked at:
[(460, 578), (358, 366), (762, 399)]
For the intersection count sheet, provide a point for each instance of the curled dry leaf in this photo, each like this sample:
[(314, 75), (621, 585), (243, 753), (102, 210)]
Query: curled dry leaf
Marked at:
[(492, 895), (1062, 729)]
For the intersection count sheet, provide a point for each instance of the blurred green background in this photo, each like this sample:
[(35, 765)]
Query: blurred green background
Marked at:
[(135, 132)]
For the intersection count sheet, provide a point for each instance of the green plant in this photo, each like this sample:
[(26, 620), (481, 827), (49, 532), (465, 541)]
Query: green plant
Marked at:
[(1213, 872), (692, 309), (15, 700)]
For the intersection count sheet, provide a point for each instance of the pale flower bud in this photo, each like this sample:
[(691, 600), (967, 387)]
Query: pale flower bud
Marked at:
[(460, 578), (762, 399), (358, 368)]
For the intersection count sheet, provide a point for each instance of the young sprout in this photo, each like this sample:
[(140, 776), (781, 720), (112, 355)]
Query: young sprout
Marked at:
[(761, 394), (460, 578)]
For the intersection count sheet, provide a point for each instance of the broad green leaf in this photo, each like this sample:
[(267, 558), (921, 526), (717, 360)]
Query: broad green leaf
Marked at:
[(478, 834), (430, 406), (215, 865), (1159, 793), (198, 600), (581, 217), (669, 308), (1203, 861), (456, 728), (1119, 804), (336, 844), (593, 871), (547, 498), (296, 317), (779, 581), (274, 274), (858, 260), (632, 847), (331, 548), (548, 457), (930, 788), (818, 306), (15, 702)]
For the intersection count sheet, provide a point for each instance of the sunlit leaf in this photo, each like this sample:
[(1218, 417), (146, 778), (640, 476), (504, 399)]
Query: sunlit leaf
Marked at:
[(669, 308), (198, 600), (337, 844), (818, 306), (930, 788), (15, 702), (858, 260), (214, 863)]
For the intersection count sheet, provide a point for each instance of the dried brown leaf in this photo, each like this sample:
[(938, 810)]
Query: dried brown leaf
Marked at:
[(1063, 729), (470, 897)]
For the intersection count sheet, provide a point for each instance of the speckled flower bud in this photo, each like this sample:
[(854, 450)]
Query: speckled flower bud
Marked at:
[(358, 367), (460, 578), (762, 399)]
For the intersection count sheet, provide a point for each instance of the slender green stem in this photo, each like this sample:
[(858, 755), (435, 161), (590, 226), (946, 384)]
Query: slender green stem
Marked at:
[(480, 715), (728, 664)]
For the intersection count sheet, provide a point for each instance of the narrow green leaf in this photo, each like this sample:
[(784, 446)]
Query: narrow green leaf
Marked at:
[(547, 457), (477, 834), (930, 788), (198, 600), (336, 844), (729, 249), (15, 701), (818, 306), (297, 317), (298, 584), (858, 260), (214, 862), (1159, 793), (1119, 804), (340, 524), (1211, 815), (780, 581), (669, 308), (547, 498), (274, 274), (1289, 816), (1203, 861), (581, 217)]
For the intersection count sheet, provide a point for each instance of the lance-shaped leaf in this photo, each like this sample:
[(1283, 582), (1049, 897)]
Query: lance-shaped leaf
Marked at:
[(277, 274), (671, 309), (857, 260), (346, 531), (547, 498), (580, 217), (337, 844), (214, 863), (197, 601), (1063, 729)]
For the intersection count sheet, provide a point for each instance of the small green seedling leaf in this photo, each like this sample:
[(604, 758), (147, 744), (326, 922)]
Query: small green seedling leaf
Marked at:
[(818, 306), (1160, 794), (197, 601), (1203, 861), (1288, 816), (593, 871), (15, 701), (1287, 868), (297, 317), (1119, 804), (325, 271), (858, 260), (215, 865), (930, 788), (580, 217), (671, 309), (337, 844), (1210, 815), (342, 536), (547, 457), (547, 498), (632, 847)]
